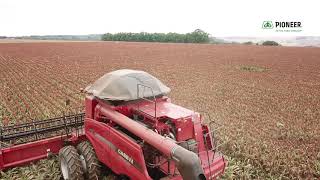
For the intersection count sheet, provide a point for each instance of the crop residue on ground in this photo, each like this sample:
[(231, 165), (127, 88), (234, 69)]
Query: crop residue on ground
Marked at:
[(271, 117)]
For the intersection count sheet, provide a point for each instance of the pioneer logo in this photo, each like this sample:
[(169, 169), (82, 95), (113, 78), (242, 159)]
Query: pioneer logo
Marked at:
[(282, 26), (267, 25), (288, 24)]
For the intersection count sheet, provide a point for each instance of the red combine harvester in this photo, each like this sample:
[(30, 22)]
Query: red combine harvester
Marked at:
[(129, 126)]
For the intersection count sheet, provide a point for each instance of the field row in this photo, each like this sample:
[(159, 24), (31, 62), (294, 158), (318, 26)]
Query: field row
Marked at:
[(267, 98)]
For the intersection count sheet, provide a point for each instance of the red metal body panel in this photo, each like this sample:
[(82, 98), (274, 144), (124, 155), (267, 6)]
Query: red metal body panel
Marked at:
[(185, 129), (109, 146), (90, 104), (22, 154), (164, 108), (26, 153), (216, 166)]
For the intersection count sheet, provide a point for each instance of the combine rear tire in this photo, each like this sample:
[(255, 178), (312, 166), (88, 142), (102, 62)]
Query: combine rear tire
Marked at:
[(70, 164), (89, 160)]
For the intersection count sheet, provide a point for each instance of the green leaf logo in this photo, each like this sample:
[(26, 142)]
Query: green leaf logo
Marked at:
[(267, 25)]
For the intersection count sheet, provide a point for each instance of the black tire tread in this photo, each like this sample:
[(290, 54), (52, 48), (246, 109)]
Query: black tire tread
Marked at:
[(92, 162), (70, 154)]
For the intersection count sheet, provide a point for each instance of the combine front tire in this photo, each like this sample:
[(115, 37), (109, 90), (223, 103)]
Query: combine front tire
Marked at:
[(70, 164), (90, 161)]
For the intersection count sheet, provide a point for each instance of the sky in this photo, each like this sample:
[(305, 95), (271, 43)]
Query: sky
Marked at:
[(217, 17)]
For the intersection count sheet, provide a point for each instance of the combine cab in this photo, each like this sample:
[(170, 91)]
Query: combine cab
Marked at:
[(129, 126)]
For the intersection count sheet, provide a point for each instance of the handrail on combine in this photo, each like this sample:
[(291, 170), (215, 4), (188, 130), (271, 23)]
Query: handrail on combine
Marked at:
[(210, 152), (154, 97)]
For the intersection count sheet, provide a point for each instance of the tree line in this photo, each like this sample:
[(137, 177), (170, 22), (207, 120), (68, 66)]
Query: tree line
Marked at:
[(197, 36), (264, 43), (89, 37)]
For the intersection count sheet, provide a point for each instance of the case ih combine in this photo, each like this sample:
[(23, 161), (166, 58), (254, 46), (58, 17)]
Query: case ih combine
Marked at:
[(129, 125)]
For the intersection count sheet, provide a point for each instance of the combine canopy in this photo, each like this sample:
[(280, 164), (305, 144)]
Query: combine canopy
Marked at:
[(124, 84)]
